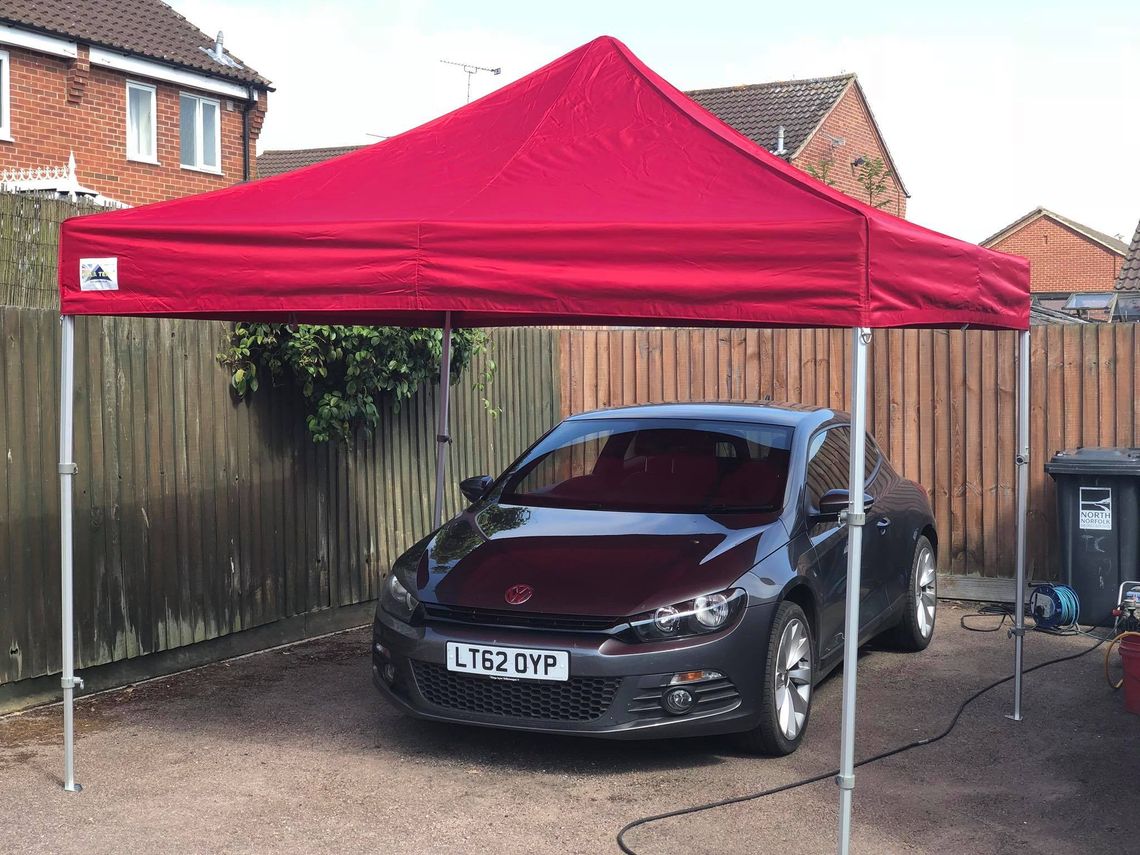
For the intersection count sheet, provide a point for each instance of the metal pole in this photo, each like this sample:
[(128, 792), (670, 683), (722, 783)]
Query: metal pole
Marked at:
[(67, 469), (855, 518), (1022, 461), (441, 437)]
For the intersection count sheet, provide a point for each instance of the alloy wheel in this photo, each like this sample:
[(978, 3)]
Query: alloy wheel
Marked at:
[(793, 678), (925, 592)]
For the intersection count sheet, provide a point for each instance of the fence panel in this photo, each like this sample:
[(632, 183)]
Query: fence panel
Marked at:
[(942, 405), (29, 247), (198, 515)]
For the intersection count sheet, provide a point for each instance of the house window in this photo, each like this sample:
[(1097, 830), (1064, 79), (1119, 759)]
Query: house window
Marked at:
[(200, 133), (5, 105), (142, 129)]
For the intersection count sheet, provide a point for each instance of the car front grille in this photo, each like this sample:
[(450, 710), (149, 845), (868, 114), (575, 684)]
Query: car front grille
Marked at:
[(527, 620), (712, 696), (576, 699)]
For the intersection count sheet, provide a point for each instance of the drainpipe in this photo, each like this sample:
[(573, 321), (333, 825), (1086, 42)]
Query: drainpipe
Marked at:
[(245, 110)]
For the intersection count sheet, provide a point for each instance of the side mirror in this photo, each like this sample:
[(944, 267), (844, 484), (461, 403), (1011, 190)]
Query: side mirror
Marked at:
[(833, 502), (473, 488)]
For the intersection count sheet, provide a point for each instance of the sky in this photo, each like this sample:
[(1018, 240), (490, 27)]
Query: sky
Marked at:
[(989, 108)]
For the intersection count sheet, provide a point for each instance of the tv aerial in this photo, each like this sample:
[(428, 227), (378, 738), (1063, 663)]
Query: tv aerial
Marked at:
[(471, 71)]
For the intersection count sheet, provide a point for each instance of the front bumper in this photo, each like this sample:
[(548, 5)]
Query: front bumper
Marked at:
[(614, 689)]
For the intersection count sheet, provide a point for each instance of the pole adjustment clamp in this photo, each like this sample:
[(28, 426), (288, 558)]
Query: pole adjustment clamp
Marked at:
[(1022, 459), (845, 782), (442, 438), (1016, 632), (72, 682), (852, 518), (68, 469)]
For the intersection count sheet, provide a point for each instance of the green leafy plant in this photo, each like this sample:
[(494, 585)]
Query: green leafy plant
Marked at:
[(344, 373), (873, 176), (821, 171)]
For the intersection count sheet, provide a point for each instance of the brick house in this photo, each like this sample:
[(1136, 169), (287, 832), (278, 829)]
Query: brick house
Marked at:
[(827, 125), (1072, 266), (121, 98), (1128, 283), (823, 125)]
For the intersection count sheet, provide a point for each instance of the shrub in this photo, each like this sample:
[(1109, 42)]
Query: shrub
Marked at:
[(344, 373)]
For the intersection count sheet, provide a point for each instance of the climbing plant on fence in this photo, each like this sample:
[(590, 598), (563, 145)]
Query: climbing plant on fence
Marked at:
[(345, 373)]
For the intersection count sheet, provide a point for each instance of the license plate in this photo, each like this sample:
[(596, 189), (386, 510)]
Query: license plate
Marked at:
[(508, 663)]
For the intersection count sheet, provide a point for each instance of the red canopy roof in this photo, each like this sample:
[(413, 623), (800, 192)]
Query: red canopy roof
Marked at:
[(589, 191)]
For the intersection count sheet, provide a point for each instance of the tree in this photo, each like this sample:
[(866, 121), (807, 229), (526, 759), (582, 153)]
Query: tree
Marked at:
[(345, 372), (821, 171), (873, 176)]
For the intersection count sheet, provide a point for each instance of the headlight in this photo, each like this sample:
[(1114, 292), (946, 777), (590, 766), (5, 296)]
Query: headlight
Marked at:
[(397, 600), (711, 611), (666, 618), (698, 616)]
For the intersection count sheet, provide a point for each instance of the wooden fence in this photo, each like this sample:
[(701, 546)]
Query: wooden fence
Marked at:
[(198, 515), (943, 407), (29, 247)]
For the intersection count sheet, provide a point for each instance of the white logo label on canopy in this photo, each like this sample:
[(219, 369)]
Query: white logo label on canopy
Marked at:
[(99, 274), (1096, 508)]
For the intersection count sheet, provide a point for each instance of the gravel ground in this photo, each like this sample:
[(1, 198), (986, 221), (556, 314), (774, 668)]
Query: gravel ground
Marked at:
[(293, 750)]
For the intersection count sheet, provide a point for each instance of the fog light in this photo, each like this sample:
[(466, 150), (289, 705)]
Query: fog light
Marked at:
[(678, 701), (388, 672)]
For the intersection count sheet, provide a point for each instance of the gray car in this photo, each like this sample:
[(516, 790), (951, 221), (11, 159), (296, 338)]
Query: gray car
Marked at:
[(655, 571)]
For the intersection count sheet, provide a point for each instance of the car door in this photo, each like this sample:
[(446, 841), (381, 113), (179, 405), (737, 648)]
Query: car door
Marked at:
[(827, 469), (893, 528), (879, 535)]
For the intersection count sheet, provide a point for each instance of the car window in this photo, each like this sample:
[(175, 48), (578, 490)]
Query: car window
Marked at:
[(828, 461), (665, 465)]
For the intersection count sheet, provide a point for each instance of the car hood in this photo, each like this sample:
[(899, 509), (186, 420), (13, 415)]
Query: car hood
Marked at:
[(587, 562)]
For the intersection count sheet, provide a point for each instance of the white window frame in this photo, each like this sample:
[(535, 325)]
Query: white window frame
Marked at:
[(5, 97), (198, 101), (134, 155)]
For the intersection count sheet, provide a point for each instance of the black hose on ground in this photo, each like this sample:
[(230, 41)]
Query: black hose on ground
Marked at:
[(930, 740)]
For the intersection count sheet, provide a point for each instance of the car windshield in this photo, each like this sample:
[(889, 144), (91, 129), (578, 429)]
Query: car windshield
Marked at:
[(663, 465)]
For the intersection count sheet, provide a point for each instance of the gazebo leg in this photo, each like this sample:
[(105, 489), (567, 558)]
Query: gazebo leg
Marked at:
[(442, 439), (855, 517), (1022, 461), (68, 680)]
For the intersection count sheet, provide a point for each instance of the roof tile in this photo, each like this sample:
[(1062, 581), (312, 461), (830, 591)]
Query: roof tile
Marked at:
[(1129, 278), (759, 109), (147, 28), (270, 163)]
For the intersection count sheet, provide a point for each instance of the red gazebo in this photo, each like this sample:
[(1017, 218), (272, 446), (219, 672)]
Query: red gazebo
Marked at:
[(591, 191)]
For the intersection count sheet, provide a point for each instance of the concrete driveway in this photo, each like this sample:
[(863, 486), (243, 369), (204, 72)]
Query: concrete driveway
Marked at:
[(293, 750)]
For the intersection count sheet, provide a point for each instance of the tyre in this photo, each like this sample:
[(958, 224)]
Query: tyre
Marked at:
[(785, 694), (916, 626)]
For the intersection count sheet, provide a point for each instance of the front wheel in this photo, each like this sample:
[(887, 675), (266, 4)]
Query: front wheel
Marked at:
[(916, 627), (785, 695)]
